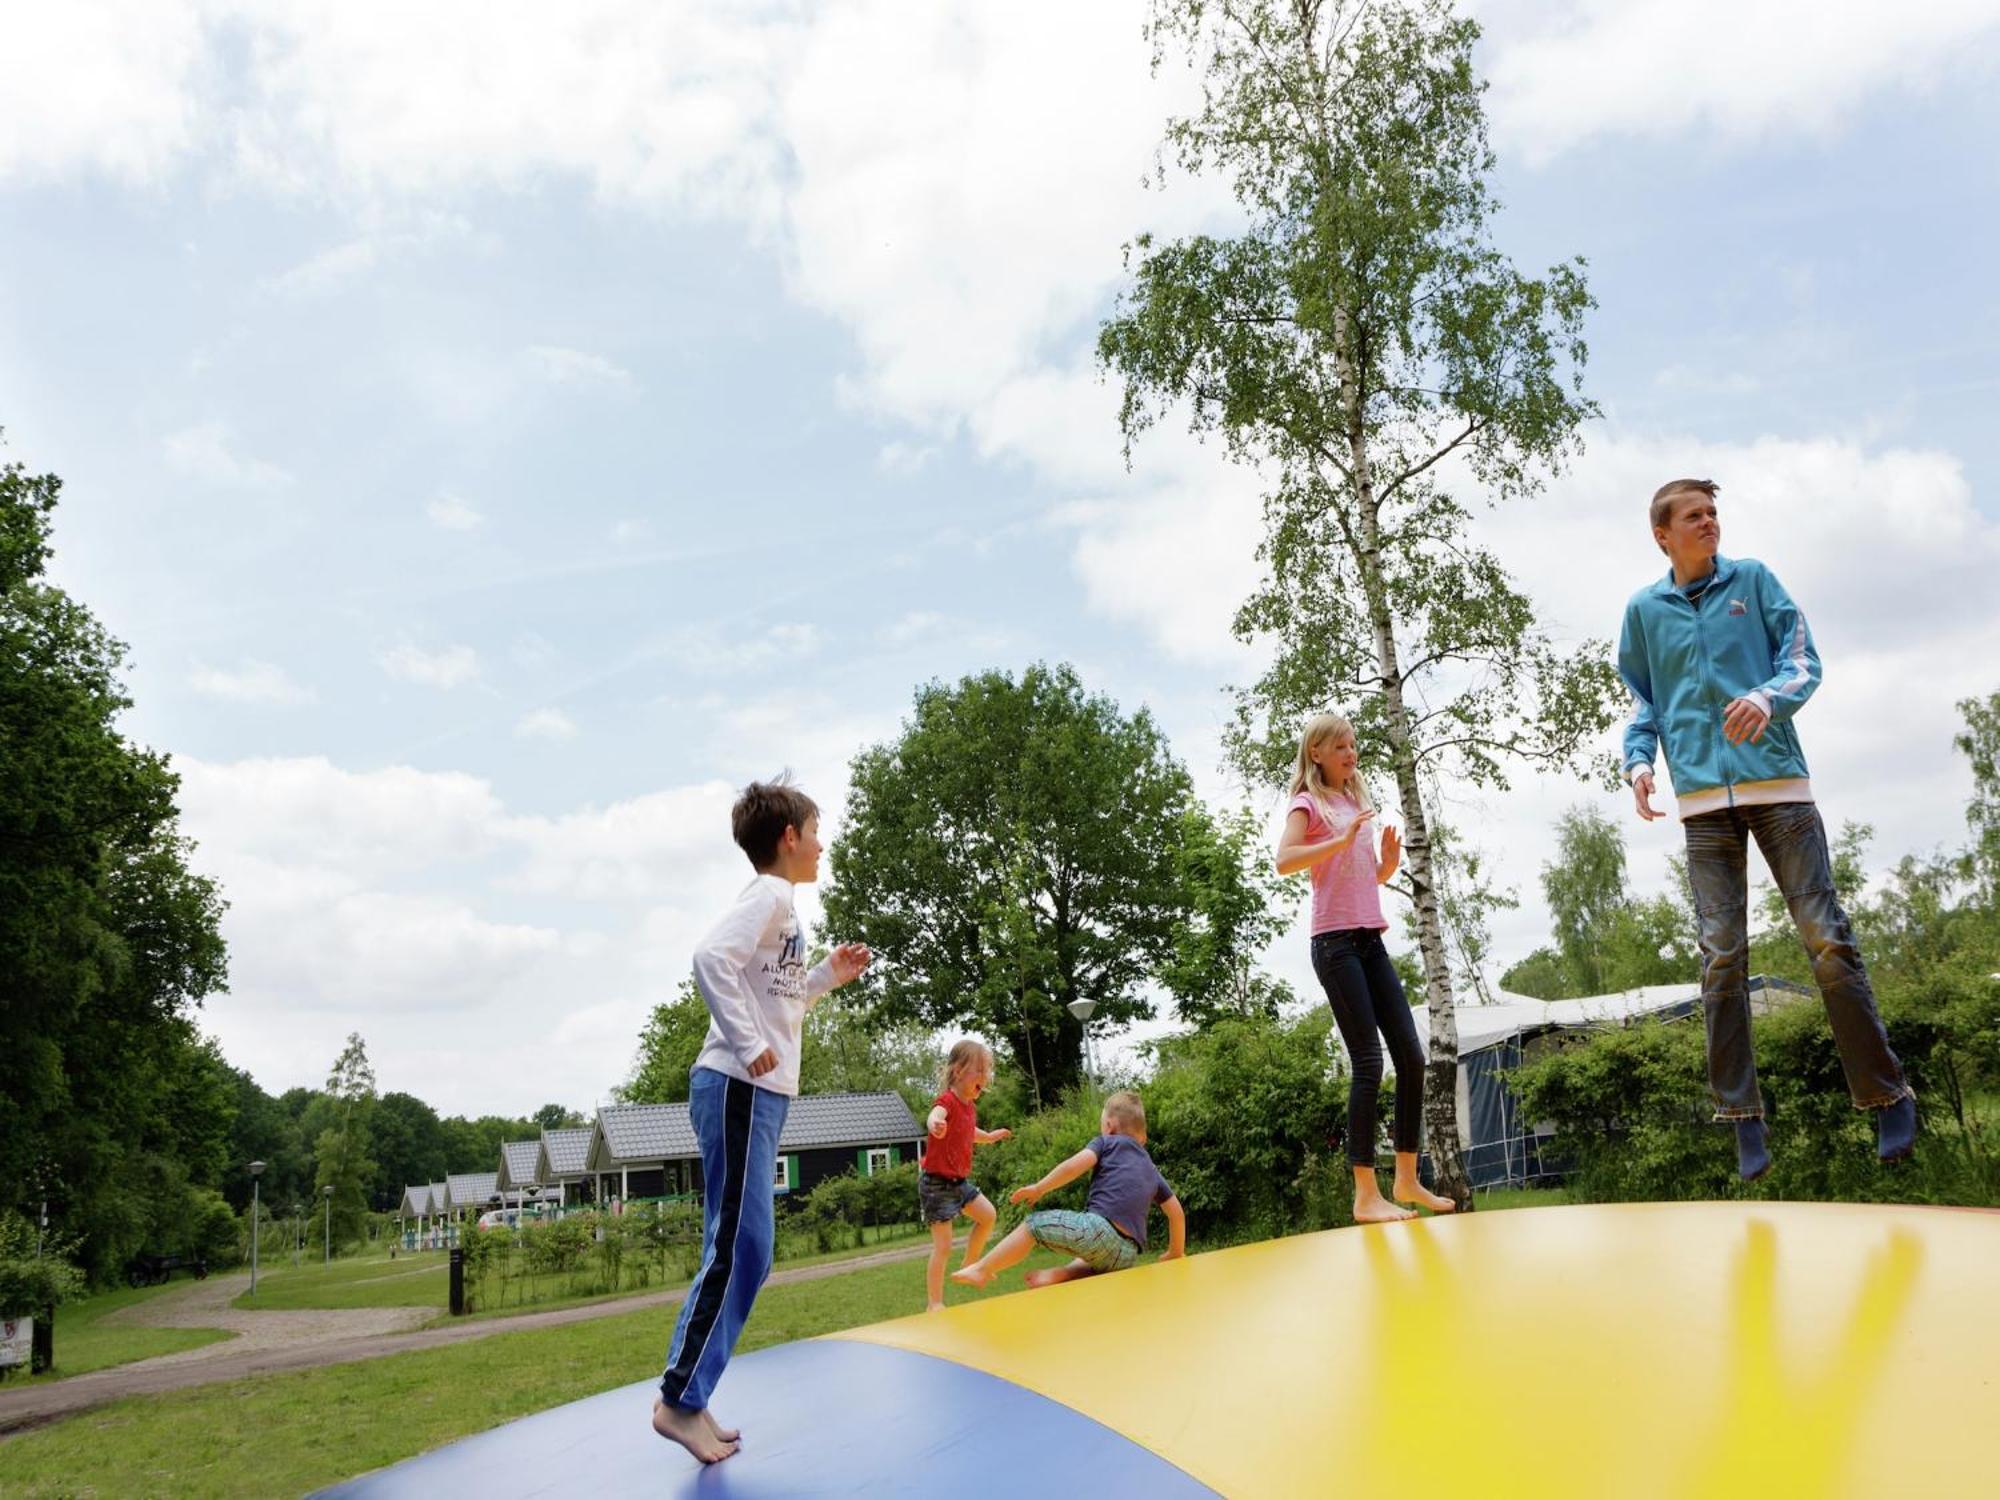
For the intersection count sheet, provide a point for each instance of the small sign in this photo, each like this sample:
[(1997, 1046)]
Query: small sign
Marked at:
[(17, 1340)]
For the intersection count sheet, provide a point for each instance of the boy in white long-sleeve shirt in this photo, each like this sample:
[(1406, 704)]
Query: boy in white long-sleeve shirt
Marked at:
[(752, 975)]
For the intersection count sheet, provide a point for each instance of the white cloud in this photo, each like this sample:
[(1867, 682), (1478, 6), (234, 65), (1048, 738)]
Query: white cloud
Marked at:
[(251, 682), (447, 669), (711, 651), (461, 938), (576, 367), (1735, 69), (903, 460), (545, 724), (916, 626), (206, 453), (117, 87), (453, 513)]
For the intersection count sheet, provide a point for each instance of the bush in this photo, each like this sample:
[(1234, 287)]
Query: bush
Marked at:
[(1240, 1118), (30, 1284), (1634, 1120)]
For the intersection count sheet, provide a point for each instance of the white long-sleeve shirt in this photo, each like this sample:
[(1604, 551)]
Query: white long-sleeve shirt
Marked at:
[(751, 971)]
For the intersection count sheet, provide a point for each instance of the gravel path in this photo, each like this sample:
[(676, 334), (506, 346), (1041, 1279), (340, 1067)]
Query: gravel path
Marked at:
[(271, 1341)]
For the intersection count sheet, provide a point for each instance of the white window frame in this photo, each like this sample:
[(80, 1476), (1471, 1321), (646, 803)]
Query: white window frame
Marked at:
[(880, 1159), (783, 1180)]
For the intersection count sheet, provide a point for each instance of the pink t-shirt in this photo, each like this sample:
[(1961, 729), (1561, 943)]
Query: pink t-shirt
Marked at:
[(1345, 891)]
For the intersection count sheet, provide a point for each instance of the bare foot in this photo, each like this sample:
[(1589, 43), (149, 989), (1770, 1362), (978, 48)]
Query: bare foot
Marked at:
[(1423, 1197), (1380, 1211), (972, 1275), (689, 1430), (1047, 1276), (935, 1307), (727, 1434)]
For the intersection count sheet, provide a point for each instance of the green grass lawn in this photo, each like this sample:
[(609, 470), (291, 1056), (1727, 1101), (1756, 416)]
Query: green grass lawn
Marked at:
[(290, 1434), (83, 1343), (413, 1280)]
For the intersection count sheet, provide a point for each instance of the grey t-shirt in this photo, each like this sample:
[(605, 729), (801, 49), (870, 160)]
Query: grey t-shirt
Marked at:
[(1125, 1186)]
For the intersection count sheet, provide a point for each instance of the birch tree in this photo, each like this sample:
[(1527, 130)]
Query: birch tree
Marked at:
[(1363, 344)]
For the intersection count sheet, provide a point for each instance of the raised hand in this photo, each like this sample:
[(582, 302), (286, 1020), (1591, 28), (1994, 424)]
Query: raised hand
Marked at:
[(1028, 1194), (849, 959)]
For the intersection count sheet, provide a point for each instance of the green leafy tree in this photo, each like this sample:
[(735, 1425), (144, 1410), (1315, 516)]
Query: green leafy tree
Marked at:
[(667, 1049), (1236, 906), (342, 1147), (557, 1117), (1979, 743), (1364, 346), (111, 941), (407, 1142), (1014, 850)]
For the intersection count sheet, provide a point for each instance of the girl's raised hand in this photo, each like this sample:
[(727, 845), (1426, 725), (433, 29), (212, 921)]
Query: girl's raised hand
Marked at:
[(1391, 843), (1026, 1194)]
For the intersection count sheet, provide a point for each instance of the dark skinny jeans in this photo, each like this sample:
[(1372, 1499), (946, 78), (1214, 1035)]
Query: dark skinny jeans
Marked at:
[(1361, 985)]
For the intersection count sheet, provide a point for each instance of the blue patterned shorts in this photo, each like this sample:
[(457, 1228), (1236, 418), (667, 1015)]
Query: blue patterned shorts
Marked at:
[(1089, 1237)]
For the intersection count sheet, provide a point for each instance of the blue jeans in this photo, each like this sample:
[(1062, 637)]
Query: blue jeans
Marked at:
[(737, 1126), (1361, 985), (1792, 839)]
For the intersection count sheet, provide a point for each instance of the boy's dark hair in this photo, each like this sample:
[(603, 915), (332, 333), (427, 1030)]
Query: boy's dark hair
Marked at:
[(1662, 509), (763, 812)]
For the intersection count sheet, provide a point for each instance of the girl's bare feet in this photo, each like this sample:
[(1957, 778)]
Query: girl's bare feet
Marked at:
[(1422, 1197), (691, 1430), (1379, 1210), (935, 1307), (727, 1434), (972, 1275)]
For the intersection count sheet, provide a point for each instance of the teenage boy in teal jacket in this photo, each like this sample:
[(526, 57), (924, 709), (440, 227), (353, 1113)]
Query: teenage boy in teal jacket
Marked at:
[(1719, 659)]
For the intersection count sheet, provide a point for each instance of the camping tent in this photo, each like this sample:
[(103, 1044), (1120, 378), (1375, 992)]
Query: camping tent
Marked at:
[(1501, 1149)]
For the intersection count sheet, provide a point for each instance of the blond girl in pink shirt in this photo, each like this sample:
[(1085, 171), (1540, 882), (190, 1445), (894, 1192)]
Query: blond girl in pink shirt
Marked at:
[(1329, 830)]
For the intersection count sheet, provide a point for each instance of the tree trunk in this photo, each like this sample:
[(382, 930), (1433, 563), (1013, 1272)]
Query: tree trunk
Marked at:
[(1441, 1073)]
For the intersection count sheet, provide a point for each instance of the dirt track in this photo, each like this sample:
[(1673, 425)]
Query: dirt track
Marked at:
[(272, 1341)]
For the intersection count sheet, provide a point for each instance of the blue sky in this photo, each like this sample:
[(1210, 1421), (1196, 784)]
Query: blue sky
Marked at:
[(499, 433)]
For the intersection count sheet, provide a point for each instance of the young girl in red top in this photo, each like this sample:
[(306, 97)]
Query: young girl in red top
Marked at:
[(1327, 831), (944, 1190)]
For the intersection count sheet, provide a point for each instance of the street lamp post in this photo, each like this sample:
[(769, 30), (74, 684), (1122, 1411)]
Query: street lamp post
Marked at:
[(1083, 1010), (256, 1204), (328, 1190)]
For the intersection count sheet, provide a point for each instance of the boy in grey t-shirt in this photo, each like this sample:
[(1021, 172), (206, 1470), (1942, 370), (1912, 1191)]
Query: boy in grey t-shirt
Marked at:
[(1111, 1231)]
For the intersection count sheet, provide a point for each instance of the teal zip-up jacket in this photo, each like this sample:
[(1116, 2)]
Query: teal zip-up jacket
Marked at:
[(1740, 636)]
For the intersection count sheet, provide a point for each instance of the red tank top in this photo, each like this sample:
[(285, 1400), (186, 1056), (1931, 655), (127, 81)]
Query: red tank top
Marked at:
[(950, 1154)]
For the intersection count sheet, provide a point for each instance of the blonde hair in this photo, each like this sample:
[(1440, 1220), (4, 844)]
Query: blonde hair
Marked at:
[(1128, 1112), (1306, 774), (964, 1054)]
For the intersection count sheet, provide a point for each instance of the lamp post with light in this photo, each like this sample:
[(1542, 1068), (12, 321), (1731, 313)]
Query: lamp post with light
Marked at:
[(256, 1204), (1083, 1010)]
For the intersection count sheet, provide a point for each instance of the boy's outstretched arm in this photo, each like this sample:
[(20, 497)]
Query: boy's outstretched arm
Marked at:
[(935, 1122), (1060, 1175), (988, 1137), (839, 967), (1176, 1229)]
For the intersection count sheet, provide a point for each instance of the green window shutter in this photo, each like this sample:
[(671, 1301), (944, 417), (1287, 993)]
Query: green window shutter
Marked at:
[(861, 1161), (791, 1172), (895, 1156)]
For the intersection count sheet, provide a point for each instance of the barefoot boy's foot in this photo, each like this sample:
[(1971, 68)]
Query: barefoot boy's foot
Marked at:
[(1381, 1211), (727, 1434), (1419, 1196), (972, 1275), (935, 1307), (689, 1430)]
